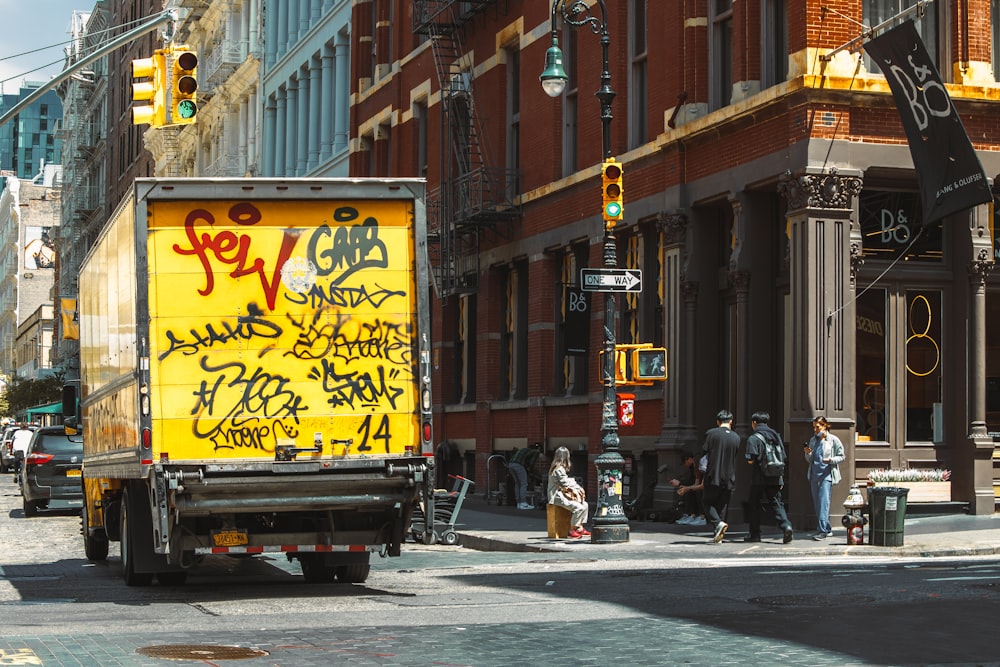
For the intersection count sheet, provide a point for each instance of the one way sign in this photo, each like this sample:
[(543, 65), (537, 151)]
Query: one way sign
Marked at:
[(611, 280)]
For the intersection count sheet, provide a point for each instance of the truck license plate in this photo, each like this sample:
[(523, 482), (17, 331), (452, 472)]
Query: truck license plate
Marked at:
[(72, 473), (230, 538)]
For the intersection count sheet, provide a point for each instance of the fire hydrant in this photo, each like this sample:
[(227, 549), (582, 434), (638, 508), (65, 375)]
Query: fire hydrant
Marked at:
[(854, 519)]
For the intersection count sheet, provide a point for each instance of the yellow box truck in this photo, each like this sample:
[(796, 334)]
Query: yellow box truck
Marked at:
[(255, 374)]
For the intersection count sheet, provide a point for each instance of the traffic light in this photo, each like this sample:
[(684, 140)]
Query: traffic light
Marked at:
[(151, 90), (637, 364), (184, 91), (611, 190)]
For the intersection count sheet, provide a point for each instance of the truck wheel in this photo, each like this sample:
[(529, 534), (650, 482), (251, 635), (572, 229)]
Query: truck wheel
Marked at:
[(356, 573), (30, 507), (95, 545), (315, 570), (132, 578)]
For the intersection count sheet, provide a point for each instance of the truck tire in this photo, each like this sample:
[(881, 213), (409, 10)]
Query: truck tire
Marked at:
[(315, 570), (132, 578), (356, 573), (95, 545)]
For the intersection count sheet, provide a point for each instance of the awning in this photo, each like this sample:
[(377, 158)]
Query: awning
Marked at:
[(49, 409)]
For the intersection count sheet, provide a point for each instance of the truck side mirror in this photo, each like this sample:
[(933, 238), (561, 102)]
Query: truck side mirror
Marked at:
[(69, 403)]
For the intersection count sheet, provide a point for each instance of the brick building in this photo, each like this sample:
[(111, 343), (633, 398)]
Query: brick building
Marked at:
[(771, 203)]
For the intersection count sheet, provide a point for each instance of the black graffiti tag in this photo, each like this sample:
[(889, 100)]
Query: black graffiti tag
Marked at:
[(348, 249), (376, 340), (344, 297), (247, 327), (235, 409), (354, 389)]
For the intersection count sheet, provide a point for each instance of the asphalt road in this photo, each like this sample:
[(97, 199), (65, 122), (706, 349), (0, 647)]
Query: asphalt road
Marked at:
[(439, 605)]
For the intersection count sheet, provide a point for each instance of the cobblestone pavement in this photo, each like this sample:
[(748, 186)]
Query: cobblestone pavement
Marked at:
[(666, 598), (635, 641)]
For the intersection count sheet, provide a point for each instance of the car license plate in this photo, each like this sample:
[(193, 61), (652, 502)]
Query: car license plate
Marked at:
[(230, 538), (73, 473)]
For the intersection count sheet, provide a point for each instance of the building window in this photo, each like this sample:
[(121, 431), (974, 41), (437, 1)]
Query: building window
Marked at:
[(570, 104), (878, 11), (514, 337), (774, 55), (892, 227), (871, 344), (899, 355), (420, 137), (722, 54), (513, 116), (995, 37), (573, 343), (642, 312), (465, 349), (637, 85)]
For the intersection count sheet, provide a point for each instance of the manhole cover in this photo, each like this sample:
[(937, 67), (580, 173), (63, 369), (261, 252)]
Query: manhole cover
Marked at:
[(200, 652), (809, 600)]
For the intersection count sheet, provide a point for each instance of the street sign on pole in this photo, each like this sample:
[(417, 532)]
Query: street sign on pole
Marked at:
[(611, 280)]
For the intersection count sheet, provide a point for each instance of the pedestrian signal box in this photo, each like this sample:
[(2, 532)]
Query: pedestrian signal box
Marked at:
[(638, 364), (626, 409)]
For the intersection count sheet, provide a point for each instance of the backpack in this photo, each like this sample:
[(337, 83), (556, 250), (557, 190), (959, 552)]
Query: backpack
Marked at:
[(772, 458)]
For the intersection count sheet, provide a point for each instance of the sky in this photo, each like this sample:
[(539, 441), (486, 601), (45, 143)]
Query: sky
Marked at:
[(29, 25)]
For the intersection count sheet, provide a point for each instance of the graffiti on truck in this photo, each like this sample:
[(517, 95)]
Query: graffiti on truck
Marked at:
[(282, 322)]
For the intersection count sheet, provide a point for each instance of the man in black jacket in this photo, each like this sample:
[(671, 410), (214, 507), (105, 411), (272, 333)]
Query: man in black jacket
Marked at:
[(762, 486), (721, 445)]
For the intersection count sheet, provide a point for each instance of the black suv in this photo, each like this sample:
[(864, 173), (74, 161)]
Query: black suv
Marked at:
[(50, 473)]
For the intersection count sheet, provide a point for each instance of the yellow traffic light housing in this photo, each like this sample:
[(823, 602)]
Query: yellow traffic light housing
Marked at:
[(638, 364), (184, 88), (151, 89), (611, 191)]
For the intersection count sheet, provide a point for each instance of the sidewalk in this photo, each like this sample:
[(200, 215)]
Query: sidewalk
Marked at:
[(485, 527)]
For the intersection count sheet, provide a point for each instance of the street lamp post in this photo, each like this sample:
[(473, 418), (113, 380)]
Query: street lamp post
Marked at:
[(609, 523)]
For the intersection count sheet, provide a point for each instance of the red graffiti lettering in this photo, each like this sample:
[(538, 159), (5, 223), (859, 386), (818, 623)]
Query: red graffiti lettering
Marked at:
[(231, 248)]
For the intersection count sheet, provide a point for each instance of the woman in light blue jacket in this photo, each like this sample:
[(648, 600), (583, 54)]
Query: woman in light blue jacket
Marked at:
[(824, 453)]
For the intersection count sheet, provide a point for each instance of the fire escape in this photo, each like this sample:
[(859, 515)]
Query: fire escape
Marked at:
[(475, 198)]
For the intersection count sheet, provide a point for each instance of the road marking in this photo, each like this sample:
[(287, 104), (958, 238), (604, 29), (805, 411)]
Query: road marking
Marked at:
[(21, 656)]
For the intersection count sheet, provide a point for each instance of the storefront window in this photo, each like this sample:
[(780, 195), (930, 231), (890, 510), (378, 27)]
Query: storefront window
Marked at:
[(871, 366), (892, 228), (923, 366)]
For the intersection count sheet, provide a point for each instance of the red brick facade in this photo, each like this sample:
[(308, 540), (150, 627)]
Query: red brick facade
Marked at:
[(715, 167)]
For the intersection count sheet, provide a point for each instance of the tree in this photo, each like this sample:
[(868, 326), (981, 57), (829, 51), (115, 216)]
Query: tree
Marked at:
[(23, 393)]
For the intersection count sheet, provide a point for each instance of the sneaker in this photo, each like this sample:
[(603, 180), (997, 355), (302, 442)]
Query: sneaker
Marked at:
[(583, 531), (788, 535), (752, 538), (685, 520), (698, 521), (525, 506), (720, 531), (819, 537), (574, 534)]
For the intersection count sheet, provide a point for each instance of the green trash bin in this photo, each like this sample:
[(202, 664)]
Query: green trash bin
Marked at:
[(887, 509)]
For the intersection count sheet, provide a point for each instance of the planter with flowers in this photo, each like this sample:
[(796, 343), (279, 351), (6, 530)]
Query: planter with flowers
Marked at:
[(925, 486)]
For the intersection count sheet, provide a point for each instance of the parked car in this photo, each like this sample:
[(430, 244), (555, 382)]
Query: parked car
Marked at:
[(6, 448), (50, 473), (19, 440)]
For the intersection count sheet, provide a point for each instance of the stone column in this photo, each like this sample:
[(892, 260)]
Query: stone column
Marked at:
[(329, 111), (674, 435), (980, 443), (820, 211)]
